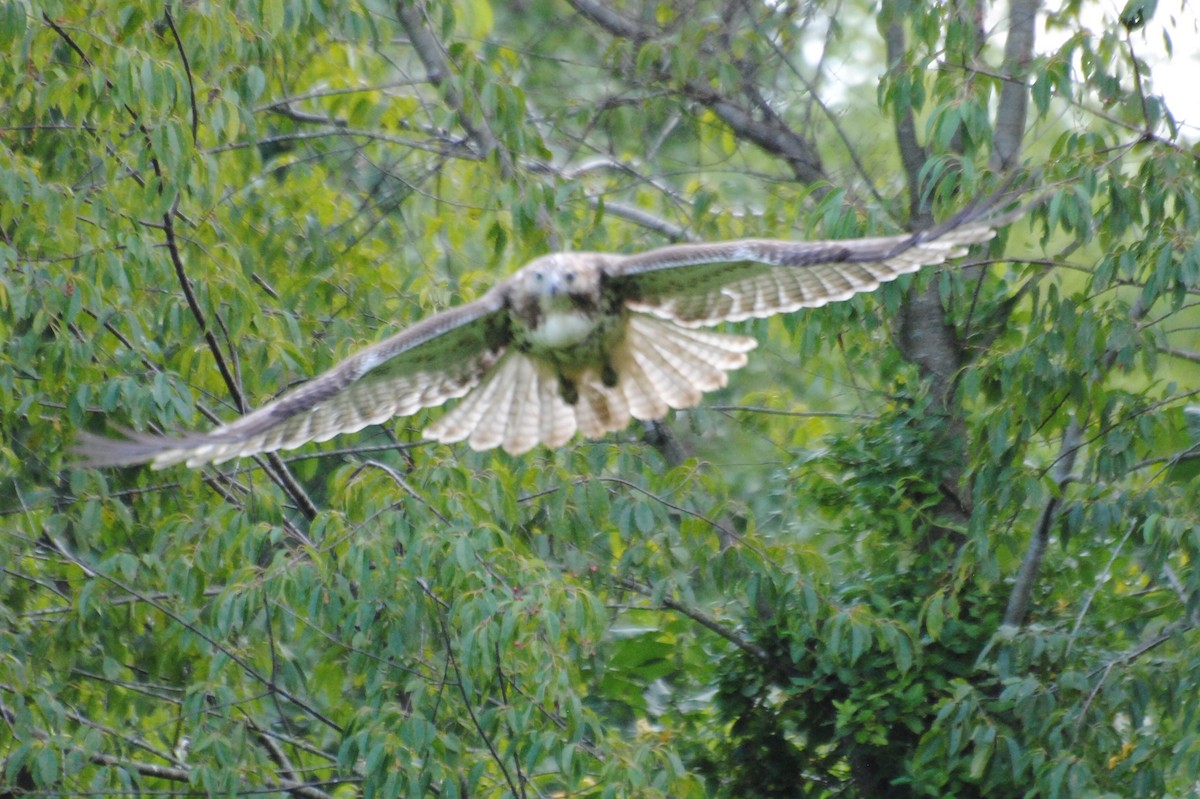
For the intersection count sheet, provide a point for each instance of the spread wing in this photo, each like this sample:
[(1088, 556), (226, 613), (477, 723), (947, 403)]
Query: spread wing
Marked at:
[(437, 359), (703, 284)]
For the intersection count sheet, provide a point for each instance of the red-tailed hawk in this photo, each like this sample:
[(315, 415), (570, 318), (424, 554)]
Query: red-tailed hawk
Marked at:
[(573, 342)]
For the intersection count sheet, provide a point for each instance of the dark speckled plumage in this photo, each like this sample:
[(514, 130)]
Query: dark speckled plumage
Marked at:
[(572, 342)]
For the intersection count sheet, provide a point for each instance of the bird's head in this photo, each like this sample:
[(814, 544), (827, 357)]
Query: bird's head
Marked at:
[(561, 280)]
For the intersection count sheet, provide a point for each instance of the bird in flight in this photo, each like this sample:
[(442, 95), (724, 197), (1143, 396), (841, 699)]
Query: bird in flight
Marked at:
[(572, 342)]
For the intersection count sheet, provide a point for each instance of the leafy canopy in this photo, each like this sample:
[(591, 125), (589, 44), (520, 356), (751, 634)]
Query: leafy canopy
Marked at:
[(938, 541)]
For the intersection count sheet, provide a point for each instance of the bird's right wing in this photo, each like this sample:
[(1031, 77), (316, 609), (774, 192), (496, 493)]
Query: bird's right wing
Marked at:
[(437, 359), (728, 281)]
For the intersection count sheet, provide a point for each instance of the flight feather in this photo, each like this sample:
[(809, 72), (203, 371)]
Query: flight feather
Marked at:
[(572, 342)]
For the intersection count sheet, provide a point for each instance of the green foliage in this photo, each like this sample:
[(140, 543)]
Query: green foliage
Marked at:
[(202, 204)]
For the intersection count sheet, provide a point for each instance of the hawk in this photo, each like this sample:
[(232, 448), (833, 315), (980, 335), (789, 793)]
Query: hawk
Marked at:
[(572, 342)]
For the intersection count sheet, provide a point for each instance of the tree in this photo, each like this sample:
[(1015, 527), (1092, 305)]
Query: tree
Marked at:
[(933, 542)]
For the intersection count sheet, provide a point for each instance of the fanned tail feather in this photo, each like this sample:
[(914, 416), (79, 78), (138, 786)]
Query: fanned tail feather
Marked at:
[(641, 391), (493, 425), (525, 411), (659, 366), (463, 419), (517, 406), (557, 419), (600, 409)]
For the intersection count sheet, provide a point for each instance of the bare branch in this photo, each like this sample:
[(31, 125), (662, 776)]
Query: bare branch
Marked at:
[(766, 129), (645, 219), (187, 70), (617, 25), (285, 110), (771, 134)]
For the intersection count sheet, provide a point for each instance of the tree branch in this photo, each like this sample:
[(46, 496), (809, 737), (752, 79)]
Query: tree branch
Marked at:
[(187, 70), (770, 134), (174, 773), (1013, 107), (617, 25), (1018, 598), (767, 130), (411, 16), (912, 154), (695, 615)]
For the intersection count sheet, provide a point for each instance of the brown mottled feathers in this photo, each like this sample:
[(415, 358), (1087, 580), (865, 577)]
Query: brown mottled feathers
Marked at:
[(516, 379), (661, 366), (703, 284), (437, 359)]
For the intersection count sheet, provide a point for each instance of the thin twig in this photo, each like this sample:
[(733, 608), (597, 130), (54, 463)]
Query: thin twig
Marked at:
[(467, 702), (187, 70), (695, 615), (1022, 590)]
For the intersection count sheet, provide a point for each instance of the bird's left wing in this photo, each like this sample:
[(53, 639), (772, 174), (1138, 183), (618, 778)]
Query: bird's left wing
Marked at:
[(437, 359), (703, 284)]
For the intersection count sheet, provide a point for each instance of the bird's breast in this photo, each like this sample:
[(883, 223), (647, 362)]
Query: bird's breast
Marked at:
[(561, 329)]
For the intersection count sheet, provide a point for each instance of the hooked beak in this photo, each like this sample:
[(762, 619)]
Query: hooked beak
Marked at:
[(553, 286)]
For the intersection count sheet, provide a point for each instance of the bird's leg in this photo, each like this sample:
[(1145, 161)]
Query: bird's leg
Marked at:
[(568, 389), (608, 375)]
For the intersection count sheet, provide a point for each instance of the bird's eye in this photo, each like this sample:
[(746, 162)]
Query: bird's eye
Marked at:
[(570, 277), (538, 276)]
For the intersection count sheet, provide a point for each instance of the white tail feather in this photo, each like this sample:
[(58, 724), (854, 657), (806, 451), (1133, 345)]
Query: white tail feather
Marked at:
[(524, 417), (493, 423), (680, 363), (659, 366), (463, 419), (517, 406), (599, 409), (557, 420), (644, 398)]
